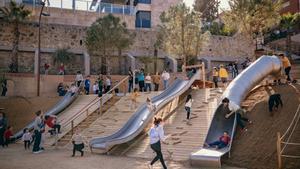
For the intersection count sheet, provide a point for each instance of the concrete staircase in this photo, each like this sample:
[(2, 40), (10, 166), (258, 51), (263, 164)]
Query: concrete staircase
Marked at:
[(184, 137), (88, 121)]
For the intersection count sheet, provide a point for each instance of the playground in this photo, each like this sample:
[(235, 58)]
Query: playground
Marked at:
[(149, 85)]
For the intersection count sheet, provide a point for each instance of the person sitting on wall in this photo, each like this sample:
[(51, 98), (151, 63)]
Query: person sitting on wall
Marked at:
[(233, 108), (223, 141), (274, 101)]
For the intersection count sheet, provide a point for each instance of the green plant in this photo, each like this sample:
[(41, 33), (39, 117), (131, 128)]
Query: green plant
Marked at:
[(15, 14), (62, 56)]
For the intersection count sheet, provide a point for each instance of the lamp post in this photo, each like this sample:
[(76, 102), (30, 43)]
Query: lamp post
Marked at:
[(39, 48)]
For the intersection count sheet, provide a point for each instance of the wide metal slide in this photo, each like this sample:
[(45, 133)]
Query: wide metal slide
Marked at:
[(56, 109), (235, 92), (142, 117)]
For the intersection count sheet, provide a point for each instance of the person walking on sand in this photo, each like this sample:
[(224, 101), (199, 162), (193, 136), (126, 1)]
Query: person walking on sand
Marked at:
[(78, 143), (274, 102), (188, 105), (287, 66), (156, 80), (26, 138), (148, 81), (165, 77), (107, 84), (134, 96), (215, 76), (233, 108), (157, 136), (223, 74), (38, 124)]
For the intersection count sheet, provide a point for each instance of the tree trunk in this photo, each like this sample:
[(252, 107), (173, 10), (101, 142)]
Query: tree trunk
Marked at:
[(288, 44), (156, 60), (14, 59), (120, 61)]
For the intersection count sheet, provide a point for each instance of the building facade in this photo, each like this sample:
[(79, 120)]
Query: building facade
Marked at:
[(291, 6)]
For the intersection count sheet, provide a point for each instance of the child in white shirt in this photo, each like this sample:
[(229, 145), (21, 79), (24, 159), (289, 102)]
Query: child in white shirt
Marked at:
[(26, 138)]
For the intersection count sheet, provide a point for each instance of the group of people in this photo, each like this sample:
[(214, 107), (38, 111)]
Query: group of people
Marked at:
[(6, 135), (145, 82), (61, 69)]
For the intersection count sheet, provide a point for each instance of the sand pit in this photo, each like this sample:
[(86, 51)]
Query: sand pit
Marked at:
[(256, 149), (20, 110)]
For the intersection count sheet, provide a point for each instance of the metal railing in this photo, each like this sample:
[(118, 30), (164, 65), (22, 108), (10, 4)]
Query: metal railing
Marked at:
[(98, 102), (85, 5)]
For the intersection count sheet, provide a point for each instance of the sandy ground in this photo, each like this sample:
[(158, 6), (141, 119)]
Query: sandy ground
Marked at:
[(16, 157), (20, 111), (256, 149)]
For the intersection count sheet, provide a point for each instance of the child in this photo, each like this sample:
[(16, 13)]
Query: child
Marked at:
[(151, 107), (87, 84), (223, 74), (8, 136), (223, 141), (188, 105), (274, 102), (78, 142), (134, 96), (95, 88), (73, 89), (26, 138)]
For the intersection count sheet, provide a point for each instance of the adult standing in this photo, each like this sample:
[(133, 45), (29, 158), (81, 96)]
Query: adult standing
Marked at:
[(165, 77), (156, 81), (78, 78), (4, 87), (38, 126), (223, 74), (157, 136), (148, 81), (107, 84), (100, 85), (141, 79), (87, 84), (287, 66), (235, 69), (130, 80), (3, 125), (46, 67), (215, 73)]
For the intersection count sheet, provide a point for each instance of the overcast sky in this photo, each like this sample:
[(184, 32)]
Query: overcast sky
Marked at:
[(223, 5)]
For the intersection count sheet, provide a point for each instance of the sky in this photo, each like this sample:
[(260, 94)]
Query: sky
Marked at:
[(223, 5)]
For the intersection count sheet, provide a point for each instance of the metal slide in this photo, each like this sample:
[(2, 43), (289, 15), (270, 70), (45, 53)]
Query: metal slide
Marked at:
[(235, 92), (136, 124), (56, 109)]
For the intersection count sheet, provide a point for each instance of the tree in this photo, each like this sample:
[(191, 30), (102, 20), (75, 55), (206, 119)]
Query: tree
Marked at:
[(208, 8), (15, 14), (182, 33), (252, 17), (106, 36), (62, 56), (289, 22)]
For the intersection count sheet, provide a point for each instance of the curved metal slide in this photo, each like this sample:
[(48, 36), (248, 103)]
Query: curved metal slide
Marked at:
[(136, 124), (235, 92), (56, 109)]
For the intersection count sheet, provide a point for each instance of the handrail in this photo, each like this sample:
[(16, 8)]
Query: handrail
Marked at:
[(93, 102)]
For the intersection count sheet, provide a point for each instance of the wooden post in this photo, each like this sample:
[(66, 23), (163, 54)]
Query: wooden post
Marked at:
[(101, 105), (279, 151), (203, 74), (72, 127)]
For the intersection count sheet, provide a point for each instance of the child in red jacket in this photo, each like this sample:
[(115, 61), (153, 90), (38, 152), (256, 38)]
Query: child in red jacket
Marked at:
[(8, 136)]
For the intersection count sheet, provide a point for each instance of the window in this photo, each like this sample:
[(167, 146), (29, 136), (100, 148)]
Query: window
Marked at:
[(144, 1), (143, 19)]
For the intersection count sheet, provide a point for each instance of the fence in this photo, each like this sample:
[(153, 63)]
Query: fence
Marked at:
[(285, 139), (83, 5)]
